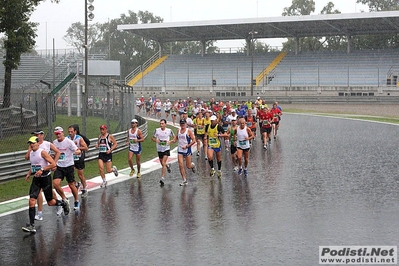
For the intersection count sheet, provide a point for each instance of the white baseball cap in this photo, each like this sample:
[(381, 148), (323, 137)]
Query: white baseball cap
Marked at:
[(213, 118)]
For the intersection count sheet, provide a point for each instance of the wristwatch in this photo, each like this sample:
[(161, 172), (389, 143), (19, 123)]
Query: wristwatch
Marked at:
[(42, 169)]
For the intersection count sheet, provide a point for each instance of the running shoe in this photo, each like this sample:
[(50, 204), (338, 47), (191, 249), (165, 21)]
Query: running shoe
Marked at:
[(265, 147), (39, 216), (76, 205), (29, 228), (183, 183), (212, 173), (206, 158), (239, 171), (245, 172), (219, 174), (235, 169), (168, 167), (193, 167), (132, 172), (115, 170), (138, 175), (270, 141), (77, 185), (59, 210), (198, 154), (162, 181), (84, 193), (227, 149), (104, 183), (275, 137), (66, 207)]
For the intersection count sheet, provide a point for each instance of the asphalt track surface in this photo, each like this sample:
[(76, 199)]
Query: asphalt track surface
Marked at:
[(324, 181)]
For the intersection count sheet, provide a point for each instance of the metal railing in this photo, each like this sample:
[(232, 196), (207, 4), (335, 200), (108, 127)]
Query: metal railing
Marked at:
[(15, 166), (140, 69)]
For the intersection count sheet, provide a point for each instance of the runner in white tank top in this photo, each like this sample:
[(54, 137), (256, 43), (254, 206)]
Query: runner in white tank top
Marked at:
[(242, 137)]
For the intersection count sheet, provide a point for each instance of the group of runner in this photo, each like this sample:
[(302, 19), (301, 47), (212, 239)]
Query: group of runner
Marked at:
[(212, 124), (63, 156)]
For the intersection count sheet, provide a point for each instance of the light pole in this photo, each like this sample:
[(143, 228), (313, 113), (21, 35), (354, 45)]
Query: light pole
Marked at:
[(252, 33), (88, 16)]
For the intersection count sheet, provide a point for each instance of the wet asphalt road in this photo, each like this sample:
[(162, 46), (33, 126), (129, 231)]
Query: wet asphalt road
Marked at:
[(325, 181)]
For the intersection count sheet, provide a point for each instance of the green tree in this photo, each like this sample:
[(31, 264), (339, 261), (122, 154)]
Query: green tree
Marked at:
[(189, 47), (259, 48), (75, 35), (333, 43), (383, 41), (131, 50), (299, 8), (380, 5), (306, 7), (19, 37)]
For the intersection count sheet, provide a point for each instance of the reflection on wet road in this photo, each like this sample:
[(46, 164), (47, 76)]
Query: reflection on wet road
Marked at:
[(325, 181)]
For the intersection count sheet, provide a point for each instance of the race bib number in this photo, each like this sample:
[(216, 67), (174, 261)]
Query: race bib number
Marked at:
[(76, 157), (265, 122), (103, 148), (249, 124), (62, 157), (35, 167), (132, 141), (242, 142), (162, 142), (213, 141)]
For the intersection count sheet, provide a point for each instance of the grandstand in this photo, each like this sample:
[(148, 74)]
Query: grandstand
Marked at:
[(329, 71)]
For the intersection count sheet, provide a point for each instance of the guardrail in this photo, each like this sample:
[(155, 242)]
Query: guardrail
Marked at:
[(13, 165)]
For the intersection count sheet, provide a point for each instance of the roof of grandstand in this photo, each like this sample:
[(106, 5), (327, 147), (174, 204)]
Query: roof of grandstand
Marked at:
[(275, 27)]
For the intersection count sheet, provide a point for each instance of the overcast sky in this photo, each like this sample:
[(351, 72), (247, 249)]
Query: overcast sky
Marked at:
[(55, 19)]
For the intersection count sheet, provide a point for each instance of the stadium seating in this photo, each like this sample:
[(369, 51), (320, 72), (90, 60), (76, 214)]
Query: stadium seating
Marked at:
[(326, 68)]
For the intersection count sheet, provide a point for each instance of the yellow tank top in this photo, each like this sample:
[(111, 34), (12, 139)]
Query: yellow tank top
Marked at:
[(207, 121), (213, 139), (200, 126)]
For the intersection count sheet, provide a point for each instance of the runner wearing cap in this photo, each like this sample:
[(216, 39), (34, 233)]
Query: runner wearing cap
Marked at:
[(134, 139), (162, 137), (232, 115), (106, 144), (185, 139), (55, 154), (41, 165), (65, 166), (212, 134)]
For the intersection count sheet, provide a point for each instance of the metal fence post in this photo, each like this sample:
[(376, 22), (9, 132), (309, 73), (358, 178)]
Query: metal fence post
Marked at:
[(108, 110), (49, 116)]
